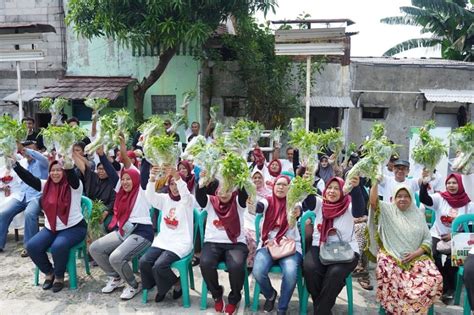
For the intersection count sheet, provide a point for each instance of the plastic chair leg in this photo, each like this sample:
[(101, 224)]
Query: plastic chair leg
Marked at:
[(256, 296), (36, 276), (191, 276), (72, 270), (458, 291), (381, 311), (203, 295), (350, 301), (135, 264), (246, 288), (304, 302), (467, 306), (86, 261), (299, 287), (183, 276), (431, 310), (144, 296)]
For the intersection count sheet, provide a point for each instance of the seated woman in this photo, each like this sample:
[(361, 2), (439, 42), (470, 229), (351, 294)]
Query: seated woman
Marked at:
[(408, 281), (175, 239), (186, 171), (131, 227), (334, 211), (275, 228), (224, 240), (249, 216), (64, 224), (447, 205), (98, 185)]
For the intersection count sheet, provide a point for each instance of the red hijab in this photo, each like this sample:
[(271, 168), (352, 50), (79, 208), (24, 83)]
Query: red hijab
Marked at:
[(459, 199), (168, 182), (125, 201), (228, 215), (56, 199), (259, 158), (274, 174), (275, 216), (189, 179), (332, 210)]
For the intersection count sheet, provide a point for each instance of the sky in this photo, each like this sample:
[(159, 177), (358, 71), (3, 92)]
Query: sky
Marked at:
[(374, 38)]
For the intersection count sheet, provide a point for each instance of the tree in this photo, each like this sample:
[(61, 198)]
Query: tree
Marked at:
[(451, 23), (166, 24)]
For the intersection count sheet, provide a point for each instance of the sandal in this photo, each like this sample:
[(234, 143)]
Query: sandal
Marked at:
[(24, 253), (365, 284), (195, 261)]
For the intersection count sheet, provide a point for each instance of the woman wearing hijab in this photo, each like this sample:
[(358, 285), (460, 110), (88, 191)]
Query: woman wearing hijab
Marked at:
[(334, 211), (132, 231), (175, 239), (447, 205), (274, 169), (98, 185), (224, 240), (275, 229), (249, 216), (64, 224), (408, 281), (186, 170), (325, 170)]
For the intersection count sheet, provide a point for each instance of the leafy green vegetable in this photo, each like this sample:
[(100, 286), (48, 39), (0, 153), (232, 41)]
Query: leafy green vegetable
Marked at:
[(462, 140), (300, 188), (297, 124), (62, 138), (194, 148), (234, 172), (12, 128), (276, 135), (111, 125), (307, 144), (96, 104), (429, 150), (243, 136), (55, 107), (94, 226), (161, 150), (332, 139), (206, 160)]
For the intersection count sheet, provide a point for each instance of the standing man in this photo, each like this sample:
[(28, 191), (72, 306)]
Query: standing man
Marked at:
[(193, 131), (401, 168), (32, 134)]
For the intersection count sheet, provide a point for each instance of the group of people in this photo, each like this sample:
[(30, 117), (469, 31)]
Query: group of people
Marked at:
[(410, 274)]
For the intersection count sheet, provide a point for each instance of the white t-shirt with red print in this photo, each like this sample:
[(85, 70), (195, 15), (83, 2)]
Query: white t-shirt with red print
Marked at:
[(176, 226)]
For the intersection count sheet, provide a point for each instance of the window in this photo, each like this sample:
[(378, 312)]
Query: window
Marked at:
[(374, 112), (162, 104), (234, 106), (81, 111), (119, 102)]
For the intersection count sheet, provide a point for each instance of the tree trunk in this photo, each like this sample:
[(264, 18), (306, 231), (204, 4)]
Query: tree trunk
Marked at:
[(141, 88)]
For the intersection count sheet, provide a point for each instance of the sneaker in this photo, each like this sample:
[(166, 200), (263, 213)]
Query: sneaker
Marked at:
[(219, 305), (129, 292), (270, 303), (112, 284), (230, 309)]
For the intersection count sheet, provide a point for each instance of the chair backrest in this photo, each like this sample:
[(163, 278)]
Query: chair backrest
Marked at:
[(201, 218), (306, 215), (430, 216), (461, 223), (86, 206), (196, 215), (417, 200), (258, 219)]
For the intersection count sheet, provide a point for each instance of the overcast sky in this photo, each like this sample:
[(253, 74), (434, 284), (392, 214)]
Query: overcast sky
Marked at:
[(374, 38)]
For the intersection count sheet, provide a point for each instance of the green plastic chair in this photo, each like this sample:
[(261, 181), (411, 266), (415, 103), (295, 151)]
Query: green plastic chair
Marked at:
[(184, 266), (417, 200), (81, 248), (467, 306), (136, 258), (430, 216), (273, 269), (461, 223), (304, 304), (220, 266)]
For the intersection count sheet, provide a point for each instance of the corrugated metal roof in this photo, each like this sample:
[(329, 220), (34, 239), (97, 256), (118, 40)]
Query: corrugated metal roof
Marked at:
[(426, 62), (447, 96), (331, 101), (77, 88), (26, 96)]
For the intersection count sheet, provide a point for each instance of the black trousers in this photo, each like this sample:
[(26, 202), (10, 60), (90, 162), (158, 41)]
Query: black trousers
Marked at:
[(469, 279), (324, 283), (447, 270), (235, 257), (155, 269)]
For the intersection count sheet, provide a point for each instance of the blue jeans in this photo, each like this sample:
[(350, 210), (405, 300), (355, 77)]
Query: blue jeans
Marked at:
[(11, 209), (60, 243), (289, 266)]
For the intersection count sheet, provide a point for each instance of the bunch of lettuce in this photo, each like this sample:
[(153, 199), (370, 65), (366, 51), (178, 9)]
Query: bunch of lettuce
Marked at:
[(234, 173), (243, 136), (54, 107), (175, 119), (96, 104), (206, 160), (194, 148), (111, 126), (378, 150), (187, 99), (276, 135), (218, 126), (307, 144), (297, 124), (462, 140), (161, 150), (11, 132), (94, 226), (429, 150), (152, 126), (332, 139), (62, 138), (300, 188)]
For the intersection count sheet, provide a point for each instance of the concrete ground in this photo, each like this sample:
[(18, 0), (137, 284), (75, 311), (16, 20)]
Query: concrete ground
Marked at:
[(18, 295)]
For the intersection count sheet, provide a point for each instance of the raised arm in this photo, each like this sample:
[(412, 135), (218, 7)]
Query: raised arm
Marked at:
[(72, 178), (27, 177), (144, 173), (94, 124), (242, 197), (40, 158), (296, 159), (201, 196), (80, 162), (127, 162), (109, 169), (425, 198), (374, 196)]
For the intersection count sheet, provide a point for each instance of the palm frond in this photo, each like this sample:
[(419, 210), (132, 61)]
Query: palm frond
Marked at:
[(444, 7), (411, 44), (399, 20)]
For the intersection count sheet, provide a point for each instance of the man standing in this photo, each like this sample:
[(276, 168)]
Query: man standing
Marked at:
[(401, 168), (193, 131), (32, 134)]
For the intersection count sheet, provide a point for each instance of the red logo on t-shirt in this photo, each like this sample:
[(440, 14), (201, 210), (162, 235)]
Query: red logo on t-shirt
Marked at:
[(170, 220), (218, 224)]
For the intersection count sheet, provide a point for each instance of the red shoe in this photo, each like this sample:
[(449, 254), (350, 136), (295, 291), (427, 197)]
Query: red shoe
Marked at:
[(230, 309), (219, 305)]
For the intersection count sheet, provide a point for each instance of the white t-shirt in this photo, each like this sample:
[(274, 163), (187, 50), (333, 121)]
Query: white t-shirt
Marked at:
[(389, 184), (75, 211), (141, 209), (176, 226), (286, 166), (15, 186), (436, 184), (468, 182), (215, 232), (344, 224), (292, 233), (442, 208)]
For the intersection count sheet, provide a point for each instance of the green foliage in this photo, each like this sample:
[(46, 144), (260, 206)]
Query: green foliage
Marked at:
[(243, 136), (429, 150), (196, 146), (96, 104), (332, 139), (111, 126), (234, 171), (463, 141), (161, 150), (62, 137), (300, 188), (449, 22), (94, 224), (10, 127), (307, 143)]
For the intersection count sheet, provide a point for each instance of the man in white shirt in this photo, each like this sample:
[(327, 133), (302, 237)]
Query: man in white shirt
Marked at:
[(193, 131), (401, 168), (286, 164)]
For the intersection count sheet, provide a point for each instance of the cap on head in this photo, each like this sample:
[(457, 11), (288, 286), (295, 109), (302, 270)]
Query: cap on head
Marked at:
[(401, 162)]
